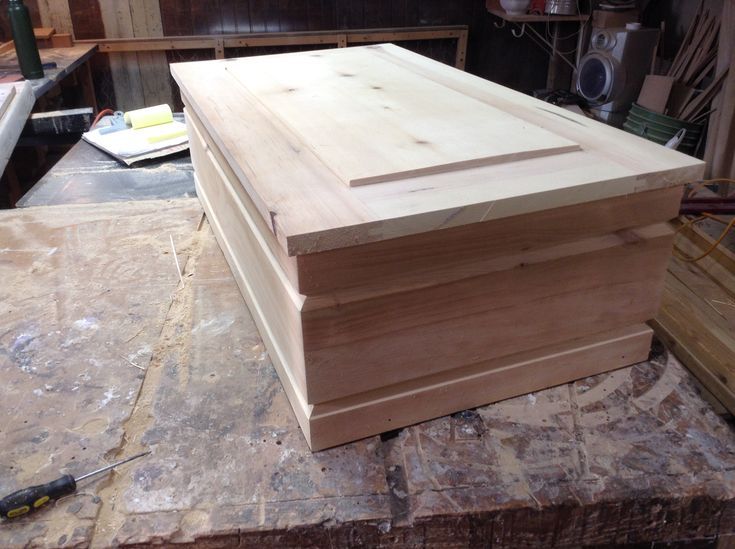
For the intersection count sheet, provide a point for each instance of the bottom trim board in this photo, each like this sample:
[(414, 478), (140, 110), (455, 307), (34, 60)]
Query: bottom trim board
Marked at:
[(366, 414)]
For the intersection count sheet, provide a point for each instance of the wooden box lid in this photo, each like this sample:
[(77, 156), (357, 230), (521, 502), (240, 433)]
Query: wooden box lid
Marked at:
[(353, 145)]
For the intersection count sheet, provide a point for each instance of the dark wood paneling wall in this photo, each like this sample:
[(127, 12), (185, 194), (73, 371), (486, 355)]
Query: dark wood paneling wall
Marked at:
[(492, 53), (5, 26), (86, 17)]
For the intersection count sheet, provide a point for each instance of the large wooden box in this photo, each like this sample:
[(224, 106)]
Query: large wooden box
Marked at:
[(413, 241)]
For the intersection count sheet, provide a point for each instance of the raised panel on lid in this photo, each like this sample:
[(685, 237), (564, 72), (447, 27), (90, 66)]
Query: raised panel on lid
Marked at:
[(370, 121)]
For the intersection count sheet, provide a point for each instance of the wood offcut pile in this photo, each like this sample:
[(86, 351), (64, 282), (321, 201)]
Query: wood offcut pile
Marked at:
[(697, 316), (413, 240), (693, 79)]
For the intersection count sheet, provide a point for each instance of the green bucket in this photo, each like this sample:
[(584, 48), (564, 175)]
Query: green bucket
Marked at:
[(659, 128)]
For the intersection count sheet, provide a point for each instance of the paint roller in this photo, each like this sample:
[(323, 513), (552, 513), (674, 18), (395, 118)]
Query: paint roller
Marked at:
[(150, 116), (157, 122)]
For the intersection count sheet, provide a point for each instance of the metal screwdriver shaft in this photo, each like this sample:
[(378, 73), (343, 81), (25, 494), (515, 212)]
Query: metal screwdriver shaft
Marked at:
[(29, 499), (112, 466)]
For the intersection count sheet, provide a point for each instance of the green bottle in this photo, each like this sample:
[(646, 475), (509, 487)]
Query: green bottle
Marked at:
[(25, 41)]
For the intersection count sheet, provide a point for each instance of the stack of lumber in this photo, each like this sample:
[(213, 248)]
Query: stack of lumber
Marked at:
[(413, 240), (697, 317), (694, 69)]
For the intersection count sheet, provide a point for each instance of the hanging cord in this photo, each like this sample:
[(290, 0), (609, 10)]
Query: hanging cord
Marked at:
[(716, 243), (99, 116), (728, 225), (701, 184)]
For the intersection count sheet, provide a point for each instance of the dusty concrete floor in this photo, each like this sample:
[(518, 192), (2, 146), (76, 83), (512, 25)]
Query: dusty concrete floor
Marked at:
[(103, 353)]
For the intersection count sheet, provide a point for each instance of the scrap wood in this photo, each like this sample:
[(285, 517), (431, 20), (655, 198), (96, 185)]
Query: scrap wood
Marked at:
[(43, 33), (695, 61), (701, 101), (697, 317)]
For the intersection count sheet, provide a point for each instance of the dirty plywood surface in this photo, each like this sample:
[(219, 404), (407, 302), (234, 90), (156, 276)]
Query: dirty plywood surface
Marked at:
[(630, 456)]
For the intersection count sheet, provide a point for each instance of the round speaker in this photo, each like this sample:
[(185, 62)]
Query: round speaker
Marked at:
[(595, 78)]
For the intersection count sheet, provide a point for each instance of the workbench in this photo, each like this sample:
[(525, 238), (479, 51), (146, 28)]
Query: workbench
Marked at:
[(87, 175), (104, 352), (68, 60)]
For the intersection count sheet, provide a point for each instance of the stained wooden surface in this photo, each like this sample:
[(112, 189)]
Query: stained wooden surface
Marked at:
[(302, 196), (634, 456), (67, 61)]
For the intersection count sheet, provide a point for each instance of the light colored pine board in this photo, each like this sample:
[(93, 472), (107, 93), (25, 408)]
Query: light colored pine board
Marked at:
[(7, 93), (312, 210), (385, 267), (373, 122), (317, 193), (12, 122), (334, 422)]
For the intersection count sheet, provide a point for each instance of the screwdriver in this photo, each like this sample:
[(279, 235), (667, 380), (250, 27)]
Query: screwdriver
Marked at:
[(32, 498)]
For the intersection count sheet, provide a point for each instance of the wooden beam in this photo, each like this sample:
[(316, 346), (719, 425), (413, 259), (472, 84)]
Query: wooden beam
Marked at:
[(118, 22), (460, 58), (340, 38), (154, 71)]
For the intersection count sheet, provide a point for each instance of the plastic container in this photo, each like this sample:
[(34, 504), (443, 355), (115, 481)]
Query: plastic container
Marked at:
[(659, 128)]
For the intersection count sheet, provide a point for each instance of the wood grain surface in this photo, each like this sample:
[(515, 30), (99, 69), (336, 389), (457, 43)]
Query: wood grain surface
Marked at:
[(311, 210), (372, 122)]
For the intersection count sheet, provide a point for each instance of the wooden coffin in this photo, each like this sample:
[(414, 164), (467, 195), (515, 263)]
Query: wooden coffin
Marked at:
[(413, 240)]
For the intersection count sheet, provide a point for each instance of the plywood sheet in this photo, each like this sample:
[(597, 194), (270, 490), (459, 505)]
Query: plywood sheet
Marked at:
[(371, 121)]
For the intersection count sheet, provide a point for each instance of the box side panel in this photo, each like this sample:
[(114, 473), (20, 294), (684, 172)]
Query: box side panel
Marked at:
[(367, 344), (401, 264), (272, 301)]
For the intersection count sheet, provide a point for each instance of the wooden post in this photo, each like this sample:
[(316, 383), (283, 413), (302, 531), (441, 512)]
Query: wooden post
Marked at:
[(460, 58), (84, 74)]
